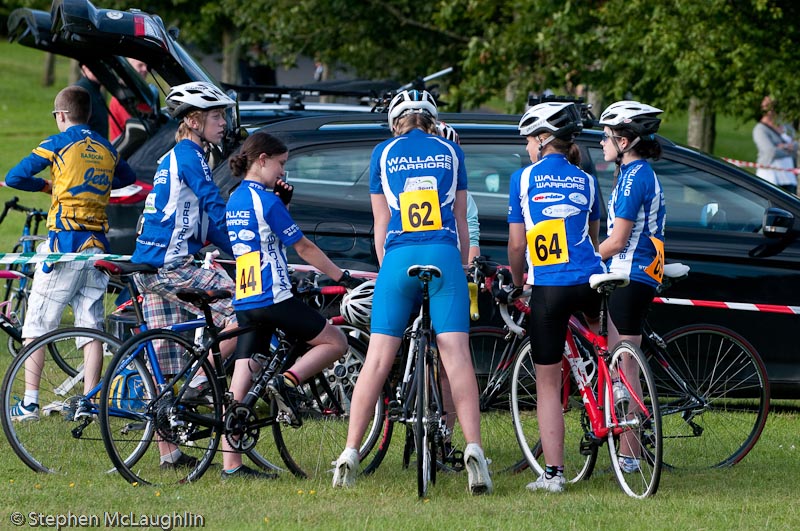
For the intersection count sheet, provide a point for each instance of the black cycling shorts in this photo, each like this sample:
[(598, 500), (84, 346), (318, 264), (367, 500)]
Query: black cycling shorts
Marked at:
[(627, 307), (297, 319), (551, 307)]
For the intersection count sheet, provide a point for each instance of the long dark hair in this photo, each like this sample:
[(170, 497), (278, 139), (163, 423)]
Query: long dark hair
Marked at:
[(647, 147), (253, 147)]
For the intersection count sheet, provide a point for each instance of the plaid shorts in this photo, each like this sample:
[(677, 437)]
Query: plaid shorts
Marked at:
[(162, 307)]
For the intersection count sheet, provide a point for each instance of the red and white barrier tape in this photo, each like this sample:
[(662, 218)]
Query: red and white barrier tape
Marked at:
[(746, 164), (768, 308)]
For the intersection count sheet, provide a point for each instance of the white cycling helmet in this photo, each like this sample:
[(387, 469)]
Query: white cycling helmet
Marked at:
[(447, 131), (196, 95), (562, 120), (356, 305), (412, 101), (638, 117)]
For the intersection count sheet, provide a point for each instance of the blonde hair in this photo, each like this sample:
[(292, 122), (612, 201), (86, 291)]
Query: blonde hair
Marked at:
[(415, 120), (184, 131)]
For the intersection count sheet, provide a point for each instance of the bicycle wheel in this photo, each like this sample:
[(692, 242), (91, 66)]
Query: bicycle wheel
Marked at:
[(579, 458), (634, 422), (308, 450), (493, 359), (714, 396), (55, 441), (138, 432)]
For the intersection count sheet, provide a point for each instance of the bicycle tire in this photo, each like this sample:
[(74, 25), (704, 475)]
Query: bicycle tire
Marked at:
[(129, 433), (731, 380), (56, 442), (424, 440), (634, 431), (578, 464), (494, 364), (307, 451)]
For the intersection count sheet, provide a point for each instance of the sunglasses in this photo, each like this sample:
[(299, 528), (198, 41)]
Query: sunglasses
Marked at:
[(606, 137)]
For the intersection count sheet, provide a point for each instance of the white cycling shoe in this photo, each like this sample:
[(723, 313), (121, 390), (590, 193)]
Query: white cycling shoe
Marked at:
[(480, 482), (345, 468)]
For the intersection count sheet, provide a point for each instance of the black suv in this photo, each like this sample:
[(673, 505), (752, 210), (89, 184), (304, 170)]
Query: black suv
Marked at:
[(735, 231)]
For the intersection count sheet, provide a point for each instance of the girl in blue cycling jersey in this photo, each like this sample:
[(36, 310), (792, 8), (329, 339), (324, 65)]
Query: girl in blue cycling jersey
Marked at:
[(554, 215), (418, 170), (260, 228), (636, 216)]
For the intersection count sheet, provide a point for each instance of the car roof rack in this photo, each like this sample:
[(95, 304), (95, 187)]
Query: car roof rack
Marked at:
[(312, 123), (589, 120), (360, 89)]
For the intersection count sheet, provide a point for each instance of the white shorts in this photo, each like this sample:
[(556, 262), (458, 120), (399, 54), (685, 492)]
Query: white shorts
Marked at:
[(78, 284)]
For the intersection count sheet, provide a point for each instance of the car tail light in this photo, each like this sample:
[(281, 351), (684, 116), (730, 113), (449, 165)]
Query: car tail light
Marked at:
[(138, 26)]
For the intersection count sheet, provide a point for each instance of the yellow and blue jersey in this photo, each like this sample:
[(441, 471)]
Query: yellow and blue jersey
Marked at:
[(84, 167)]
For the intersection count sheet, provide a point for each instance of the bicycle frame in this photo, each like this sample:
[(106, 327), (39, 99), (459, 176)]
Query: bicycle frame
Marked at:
[(595, 403)]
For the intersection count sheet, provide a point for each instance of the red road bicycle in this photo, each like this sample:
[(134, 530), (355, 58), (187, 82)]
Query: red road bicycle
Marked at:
[(608, 396)]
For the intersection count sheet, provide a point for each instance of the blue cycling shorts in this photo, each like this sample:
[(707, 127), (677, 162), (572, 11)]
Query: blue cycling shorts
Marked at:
[(397, 294)]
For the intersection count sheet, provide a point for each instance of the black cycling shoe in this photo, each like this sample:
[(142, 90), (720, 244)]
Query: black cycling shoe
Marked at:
[(184, 461), (198, 395), (248, 473), (286, 397)]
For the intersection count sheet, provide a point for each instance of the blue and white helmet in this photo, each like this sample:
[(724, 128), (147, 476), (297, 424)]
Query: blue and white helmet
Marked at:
[(562, 120), (640, 118), (412, 101)]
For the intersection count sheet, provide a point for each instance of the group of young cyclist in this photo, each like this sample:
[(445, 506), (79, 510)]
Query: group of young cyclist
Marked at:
[(420, 204)]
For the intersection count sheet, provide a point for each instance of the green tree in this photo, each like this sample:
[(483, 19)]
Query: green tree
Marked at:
[(716, 56)]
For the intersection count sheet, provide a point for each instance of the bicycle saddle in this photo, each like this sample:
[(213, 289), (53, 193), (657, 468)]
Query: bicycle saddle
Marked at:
[(417, 270), (123, 268), (598, 280)]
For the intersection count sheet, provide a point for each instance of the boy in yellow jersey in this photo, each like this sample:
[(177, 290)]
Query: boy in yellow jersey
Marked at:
[(84, 167)]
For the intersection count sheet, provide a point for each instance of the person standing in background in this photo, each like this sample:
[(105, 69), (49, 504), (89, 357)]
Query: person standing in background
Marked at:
[(98, 121), (776, 149), (118, 114)]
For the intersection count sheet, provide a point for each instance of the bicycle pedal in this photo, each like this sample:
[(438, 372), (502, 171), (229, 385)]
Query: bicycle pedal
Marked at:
[(589, 444), (395, 411)]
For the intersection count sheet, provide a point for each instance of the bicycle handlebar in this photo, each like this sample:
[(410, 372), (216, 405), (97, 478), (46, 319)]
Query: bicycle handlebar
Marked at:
[(13, 204)]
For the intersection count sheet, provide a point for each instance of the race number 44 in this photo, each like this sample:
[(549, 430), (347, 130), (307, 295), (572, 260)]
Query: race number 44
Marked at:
[(248, 275)]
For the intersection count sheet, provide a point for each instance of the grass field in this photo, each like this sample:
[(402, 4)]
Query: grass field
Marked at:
[(755, 494)]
